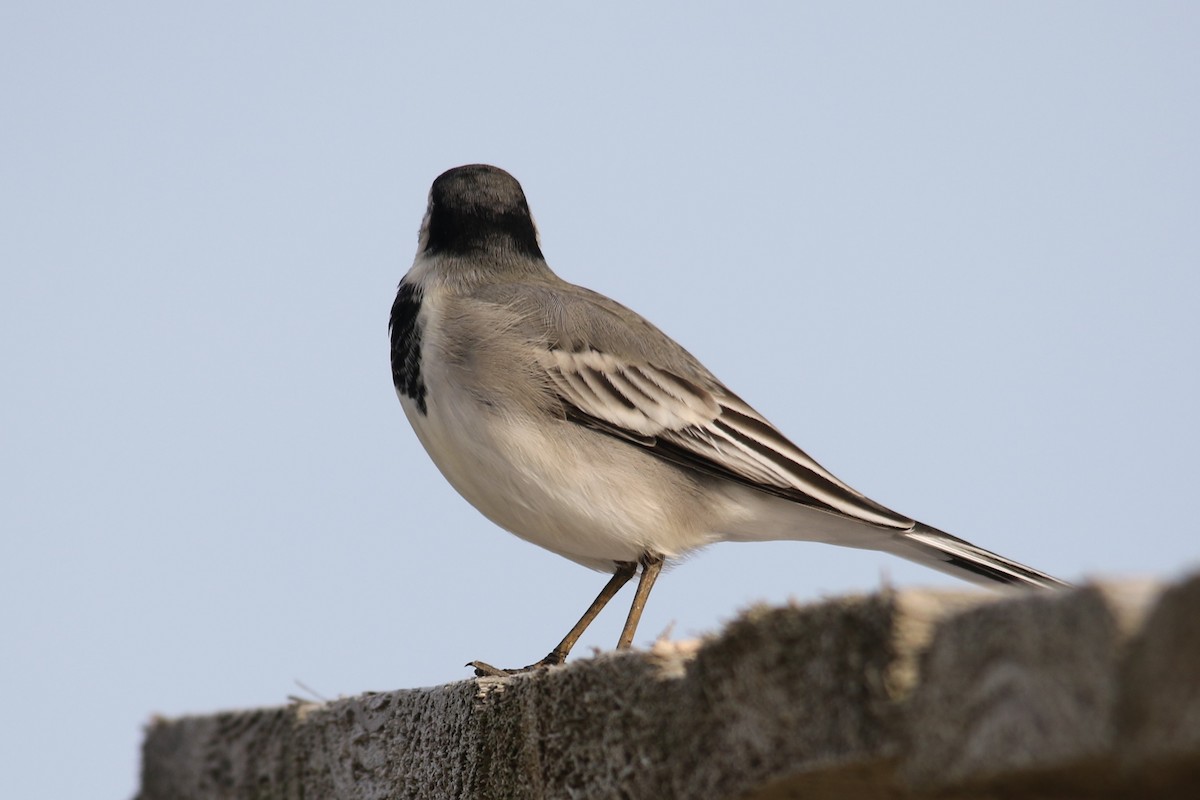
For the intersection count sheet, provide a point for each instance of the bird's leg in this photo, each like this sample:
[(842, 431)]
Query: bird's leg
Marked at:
[(624, 571), (652, 564)]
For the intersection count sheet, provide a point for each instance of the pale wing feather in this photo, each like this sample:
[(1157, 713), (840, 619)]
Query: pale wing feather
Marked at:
[(704, 424)]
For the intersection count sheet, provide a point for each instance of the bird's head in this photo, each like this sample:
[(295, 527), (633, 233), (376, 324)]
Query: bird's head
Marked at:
[(478, 209)]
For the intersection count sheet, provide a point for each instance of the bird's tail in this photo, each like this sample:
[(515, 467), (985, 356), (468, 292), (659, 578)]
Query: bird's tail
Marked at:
[(947, 553)]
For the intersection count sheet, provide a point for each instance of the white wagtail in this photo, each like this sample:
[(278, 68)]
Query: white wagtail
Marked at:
[(577, 425)]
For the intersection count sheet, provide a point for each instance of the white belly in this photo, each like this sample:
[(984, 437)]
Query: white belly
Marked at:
[(574, 492)]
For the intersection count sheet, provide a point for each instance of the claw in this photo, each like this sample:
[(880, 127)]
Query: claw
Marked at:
[(486, 670)]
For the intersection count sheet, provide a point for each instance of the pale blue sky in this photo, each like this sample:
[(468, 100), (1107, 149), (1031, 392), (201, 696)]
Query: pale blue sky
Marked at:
[(951, 249)]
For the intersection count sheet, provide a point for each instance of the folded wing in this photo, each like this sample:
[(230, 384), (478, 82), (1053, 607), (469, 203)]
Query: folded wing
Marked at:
[(704, 427)]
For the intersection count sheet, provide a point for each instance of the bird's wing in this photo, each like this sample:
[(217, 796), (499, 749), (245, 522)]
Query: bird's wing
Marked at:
[(701, 425)]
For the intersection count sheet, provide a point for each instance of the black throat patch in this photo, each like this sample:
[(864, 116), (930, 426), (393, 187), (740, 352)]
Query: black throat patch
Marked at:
[(406, 345)]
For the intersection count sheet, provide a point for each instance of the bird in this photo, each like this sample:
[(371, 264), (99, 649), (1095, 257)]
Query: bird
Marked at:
[(574, 423)]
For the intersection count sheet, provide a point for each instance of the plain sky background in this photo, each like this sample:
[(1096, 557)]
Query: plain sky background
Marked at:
[(952, 249)]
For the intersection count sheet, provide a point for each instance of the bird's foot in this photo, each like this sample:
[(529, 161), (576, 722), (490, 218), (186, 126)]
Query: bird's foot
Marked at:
[(486, 670)]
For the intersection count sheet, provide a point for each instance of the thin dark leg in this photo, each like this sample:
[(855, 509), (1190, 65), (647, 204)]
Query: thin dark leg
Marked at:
[(624, 571), (652, 564)]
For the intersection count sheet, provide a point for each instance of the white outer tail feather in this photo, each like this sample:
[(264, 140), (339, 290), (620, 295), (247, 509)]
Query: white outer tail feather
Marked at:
[(960, 558)]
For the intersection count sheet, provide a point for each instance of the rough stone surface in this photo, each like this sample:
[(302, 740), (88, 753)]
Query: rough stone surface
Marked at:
[(1089, 692)]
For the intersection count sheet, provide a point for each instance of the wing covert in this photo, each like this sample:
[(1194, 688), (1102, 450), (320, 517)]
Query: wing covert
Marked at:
[(704, 427)]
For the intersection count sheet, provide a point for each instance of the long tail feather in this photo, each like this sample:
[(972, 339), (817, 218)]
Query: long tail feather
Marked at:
[(950, 554)]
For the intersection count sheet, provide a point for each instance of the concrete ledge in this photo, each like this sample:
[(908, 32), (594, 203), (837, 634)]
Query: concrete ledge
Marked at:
[(1091, 692)]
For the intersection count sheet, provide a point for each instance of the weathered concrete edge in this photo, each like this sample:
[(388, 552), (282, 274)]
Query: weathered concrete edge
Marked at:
[(905, 693)]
